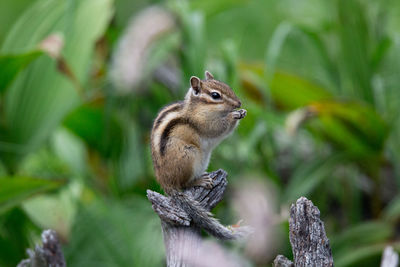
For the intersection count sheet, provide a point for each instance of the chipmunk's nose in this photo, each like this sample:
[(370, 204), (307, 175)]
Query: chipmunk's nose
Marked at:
[(238, 104)]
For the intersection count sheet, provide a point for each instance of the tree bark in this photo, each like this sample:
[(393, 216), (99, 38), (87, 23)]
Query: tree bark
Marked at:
[(310, 244), (47, 255), (182, 238), (282, 261)]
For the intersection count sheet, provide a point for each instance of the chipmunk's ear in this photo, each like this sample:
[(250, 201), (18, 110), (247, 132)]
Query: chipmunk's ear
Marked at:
[(209, 76), (195, 83)]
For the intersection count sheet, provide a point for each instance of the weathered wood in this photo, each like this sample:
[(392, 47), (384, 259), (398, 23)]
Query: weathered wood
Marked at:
[(47, 255), (282, 261), (310, 244), (390, 258), (181, 244), (182, 239)]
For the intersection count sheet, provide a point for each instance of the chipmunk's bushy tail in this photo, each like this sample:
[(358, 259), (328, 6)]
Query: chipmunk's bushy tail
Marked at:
[(205, 220)]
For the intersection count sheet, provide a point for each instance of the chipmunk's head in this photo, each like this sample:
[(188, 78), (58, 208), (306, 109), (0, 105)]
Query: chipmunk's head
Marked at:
[(213, 94)]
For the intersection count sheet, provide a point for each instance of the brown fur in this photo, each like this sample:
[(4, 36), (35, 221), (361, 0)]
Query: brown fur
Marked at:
[(181, 130)]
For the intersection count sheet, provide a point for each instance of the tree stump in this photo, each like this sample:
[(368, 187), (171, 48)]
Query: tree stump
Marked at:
[(182, 238), (49, 254), (310, 244)]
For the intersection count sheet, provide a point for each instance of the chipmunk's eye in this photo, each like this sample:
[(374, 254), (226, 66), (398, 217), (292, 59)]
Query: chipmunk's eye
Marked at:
[(215, 95)]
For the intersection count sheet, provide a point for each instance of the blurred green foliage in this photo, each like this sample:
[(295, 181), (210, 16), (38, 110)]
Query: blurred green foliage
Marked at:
[(320, 81)]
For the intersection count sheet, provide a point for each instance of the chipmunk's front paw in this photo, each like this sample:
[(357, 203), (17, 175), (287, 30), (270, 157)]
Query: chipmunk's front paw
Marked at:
[(239, 114)]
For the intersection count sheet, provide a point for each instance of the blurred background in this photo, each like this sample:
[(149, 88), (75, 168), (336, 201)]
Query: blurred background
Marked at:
[(82, 80)]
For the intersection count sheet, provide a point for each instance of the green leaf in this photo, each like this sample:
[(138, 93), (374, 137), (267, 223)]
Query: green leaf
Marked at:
[(11, 65), (290, 91), (380, 52), (14, 190), (70, 149), (366, 233), (350, 125), (392, 211), (362, 243), (357, 128), (210, 7), (275, 46), (307, 177), (132, 162), (355, 46), (100, 130), (329, 65), (116, 233), (363, 255), (193, 53), (16, 236), (41, 96), (9, 12), (63, 206)]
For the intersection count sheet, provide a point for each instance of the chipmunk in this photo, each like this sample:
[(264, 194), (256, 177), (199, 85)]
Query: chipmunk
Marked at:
[(182, 139)]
